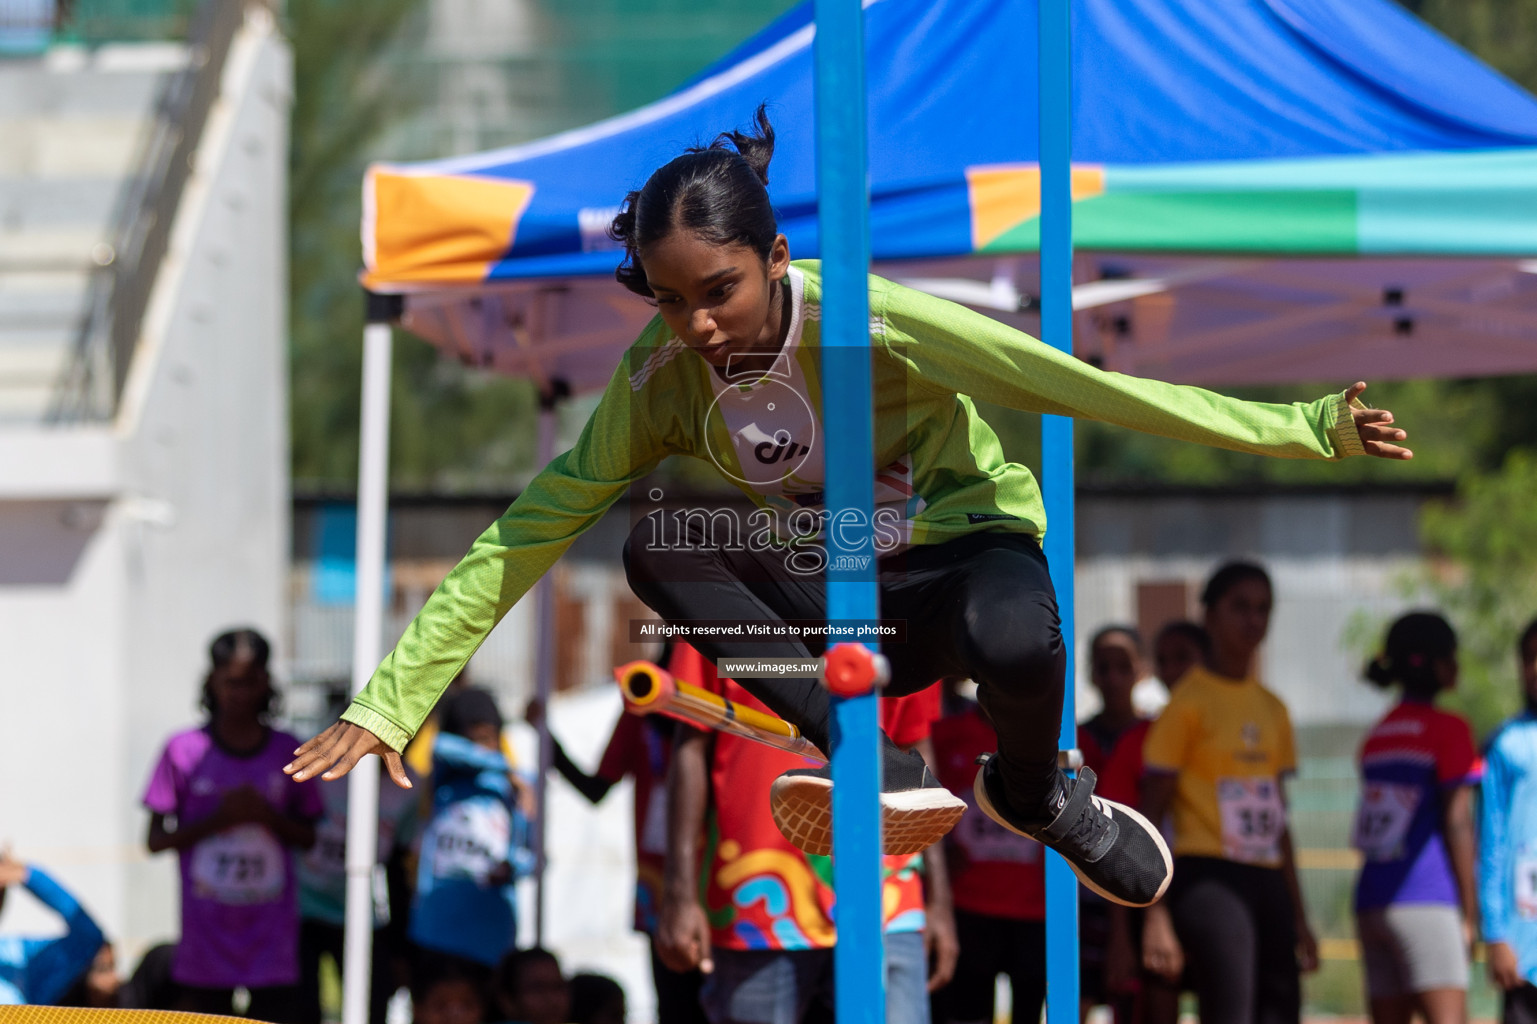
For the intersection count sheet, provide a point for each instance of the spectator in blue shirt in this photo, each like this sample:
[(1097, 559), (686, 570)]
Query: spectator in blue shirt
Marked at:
[(476, 844), (1508, 849), (40, 971)]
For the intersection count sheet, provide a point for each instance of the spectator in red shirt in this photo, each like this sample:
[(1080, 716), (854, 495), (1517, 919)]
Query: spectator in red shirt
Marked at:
[(997, 881), (1115, 667), (1179, 647)]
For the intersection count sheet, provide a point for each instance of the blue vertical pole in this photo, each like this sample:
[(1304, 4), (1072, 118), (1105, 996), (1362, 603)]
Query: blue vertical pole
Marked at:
[(843, 222), (1057, 457)]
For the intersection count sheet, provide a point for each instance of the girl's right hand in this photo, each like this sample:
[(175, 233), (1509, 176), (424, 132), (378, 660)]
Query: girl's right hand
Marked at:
[(338, 750), (683, 936), (1504, 968), (1161, 952)]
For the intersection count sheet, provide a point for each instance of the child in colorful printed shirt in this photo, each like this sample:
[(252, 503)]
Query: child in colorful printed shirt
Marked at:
[(236, 827), (476, 845), (1507, 875), (730, 372), (1416, 908), (750, 908)]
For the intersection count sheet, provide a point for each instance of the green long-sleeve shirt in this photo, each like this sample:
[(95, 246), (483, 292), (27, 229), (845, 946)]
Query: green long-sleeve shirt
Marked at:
[(939, 468)]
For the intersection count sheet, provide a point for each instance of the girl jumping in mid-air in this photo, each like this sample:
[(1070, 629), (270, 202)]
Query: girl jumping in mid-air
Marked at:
[(729, 371)]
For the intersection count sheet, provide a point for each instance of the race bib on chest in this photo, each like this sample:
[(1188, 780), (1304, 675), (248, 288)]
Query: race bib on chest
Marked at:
[(469, 840), (984, 841), (1526, 885), (240, 867), (329, 854), (1253, 819), (1382, 824)]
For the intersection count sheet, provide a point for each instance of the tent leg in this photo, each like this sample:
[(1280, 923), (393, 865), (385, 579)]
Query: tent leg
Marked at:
[(368, 629), (544, 675), (1062, 983)]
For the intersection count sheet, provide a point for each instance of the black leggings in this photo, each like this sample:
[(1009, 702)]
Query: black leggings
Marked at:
[(1236, 925), (980, 607), (991, 946), (1519, 1005)]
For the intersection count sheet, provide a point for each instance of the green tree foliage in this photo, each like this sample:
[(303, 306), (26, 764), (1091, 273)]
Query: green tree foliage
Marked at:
[(449, 425), (1488, 533), (1499, 32), (1487, 537), (365, 89)]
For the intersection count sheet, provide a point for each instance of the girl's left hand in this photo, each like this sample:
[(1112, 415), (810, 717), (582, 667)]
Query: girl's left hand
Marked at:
[(1375, 426), (1307, 949), (337, 751)]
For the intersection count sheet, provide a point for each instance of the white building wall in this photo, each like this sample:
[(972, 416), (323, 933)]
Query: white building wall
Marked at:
[(182, 533)]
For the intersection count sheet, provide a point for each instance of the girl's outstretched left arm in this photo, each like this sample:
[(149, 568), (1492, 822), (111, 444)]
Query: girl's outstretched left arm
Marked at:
[(950, 348)]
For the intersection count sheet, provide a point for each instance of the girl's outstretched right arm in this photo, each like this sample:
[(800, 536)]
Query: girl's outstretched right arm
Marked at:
[(618, 446)]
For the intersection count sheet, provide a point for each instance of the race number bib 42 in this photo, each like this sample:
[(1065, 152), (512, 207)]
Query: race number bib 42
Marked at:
[(242, 866), (1382, 824), (470, 839), (1253, 819), (1526, 884)]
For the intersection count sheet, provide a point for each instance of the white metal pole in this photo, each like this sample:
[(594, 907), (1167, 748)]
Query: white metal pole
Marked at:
[(544, 675), (368, 630)]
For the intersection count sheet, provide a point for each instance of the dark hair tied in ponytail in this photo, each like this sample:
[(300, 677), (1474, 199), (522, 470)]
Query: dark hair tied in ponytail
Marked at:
[(719, 192), (1414, 644)]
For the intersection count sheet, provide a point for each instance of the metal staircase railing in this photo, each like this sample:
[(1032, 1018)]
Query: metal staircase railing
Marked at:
[(118, 294)]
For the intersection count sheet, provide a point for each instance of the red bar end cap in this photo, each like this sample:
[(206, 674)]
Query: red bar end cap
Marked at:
[(853, 670)]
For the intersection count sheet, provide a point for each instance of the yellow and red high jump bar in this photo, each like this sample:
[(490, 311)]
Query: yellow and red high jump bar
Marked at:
[(651, 690)]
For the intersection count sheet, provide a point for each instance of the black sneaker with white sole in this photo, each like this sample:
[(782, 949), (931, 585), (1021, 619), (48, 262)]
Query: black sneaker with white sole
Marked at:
[(916, 811), (1112, 849)]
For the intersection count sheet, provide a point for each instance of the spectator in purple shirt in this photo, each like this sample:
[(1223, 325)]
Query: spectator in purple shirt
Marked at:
[(219, 798)]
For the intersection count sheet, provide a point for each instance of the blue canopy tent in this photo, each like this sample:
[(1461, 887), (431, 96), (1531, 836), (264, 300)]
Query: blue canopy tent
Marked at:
[(1343, 135), (1264, 190)]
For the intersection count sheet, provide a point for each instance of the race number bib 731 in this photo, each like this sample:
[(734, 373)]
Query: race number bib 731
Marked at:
[(241, 866), (1253, 819), (1382, 824)]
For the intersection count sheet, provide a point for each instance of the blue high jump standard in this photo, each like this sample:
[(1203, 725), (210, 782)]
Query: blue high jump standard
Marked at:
[(843, 222), (1062, 991)]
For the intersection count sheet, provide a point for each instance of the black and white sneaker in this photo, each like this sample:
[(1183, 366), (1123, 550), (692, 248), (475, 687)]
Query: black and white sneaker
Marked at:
[(1112, 849), (916, 811)]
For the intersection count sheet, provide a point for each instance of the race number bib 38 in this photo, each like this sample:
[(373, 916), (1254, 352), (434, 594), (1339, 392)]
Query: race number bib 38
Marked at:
[(1253, 819), (242, 866), (470, 839), (1382, 824)]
